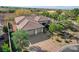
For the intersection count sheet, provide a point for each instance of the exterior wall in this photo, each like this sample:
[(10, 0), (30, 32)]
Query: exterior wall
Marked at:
[(35, 31), (40, 30), (31, 32), (14, 26)]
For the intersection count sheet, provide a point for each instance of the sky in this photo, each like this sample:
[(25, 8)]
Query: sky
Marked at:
[(39, 3)]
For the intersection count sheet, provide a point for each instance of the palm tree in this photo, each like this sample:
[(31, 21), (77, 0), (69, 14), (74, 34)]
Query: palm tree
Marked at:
[(8, 20)]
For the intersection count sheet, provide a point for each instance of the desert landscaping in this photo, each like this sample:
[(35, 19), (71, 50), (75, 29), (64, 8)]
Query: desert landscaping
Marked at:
[(38, 29)]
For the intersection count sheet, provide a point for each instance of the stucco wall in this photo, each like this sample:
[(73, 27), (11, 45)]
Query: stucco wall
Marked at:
[(35, 31)]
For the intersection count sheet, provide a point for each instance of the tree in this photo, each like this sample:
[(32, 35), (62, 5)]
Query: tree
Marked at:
[(62, 17), (59, 11), (20, 39), (5, 29), (77, 19), (69, 14), (45, 13), (11, 11), (20, 12), (76, 11), (8, 19), (54, 16), (51, 15)]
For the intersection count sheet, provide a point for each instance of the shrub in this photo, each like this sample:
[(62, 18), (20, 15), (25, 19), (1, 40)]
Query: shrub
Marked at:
[(77, 19), (55, 27), (52, 27), (5, 47), (59, 40)]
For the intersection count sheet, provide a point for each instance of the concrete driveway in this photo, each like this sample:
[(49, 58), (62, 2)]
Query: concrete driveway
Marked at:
[(38, 38)]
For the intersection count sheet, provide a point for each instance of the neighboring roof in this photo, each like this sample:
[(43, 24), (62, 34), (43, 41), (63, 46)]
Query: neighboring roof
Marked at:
[(32, 25)]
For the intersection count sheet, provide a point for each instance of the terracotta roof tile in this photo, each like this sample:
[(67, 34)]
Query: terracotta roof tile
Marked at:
[(22, 24), (30, 22), (18, 19), (32, 25)]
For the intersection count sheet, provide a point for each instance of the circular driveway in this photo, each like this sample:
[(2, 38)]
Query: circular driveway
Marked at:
[(70, 48)]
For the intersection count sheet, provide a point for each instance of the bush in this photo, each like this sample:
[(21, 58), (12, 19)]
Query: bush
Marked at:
[(60, 27), (11, 11), (55, 27), (59, 40), (77, 19), (5, 47), (52, 27)]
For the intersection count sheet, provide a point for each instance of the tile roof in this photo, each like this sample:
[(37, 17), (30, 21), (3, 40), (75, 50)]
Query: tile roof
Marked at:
[(29, 22), (32, 25), (18, 19), (43, 18), (22, 24)]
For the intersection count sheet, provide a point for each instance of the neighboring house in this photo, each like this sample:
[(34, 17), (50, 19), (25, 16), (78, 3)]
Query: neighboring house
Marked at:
[(1, 18), (0, 26), (32, 24)]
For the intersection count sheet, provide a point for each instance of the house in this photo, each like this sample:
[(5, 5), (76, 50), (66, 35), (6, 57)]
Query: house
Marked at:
[(32, 24)]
